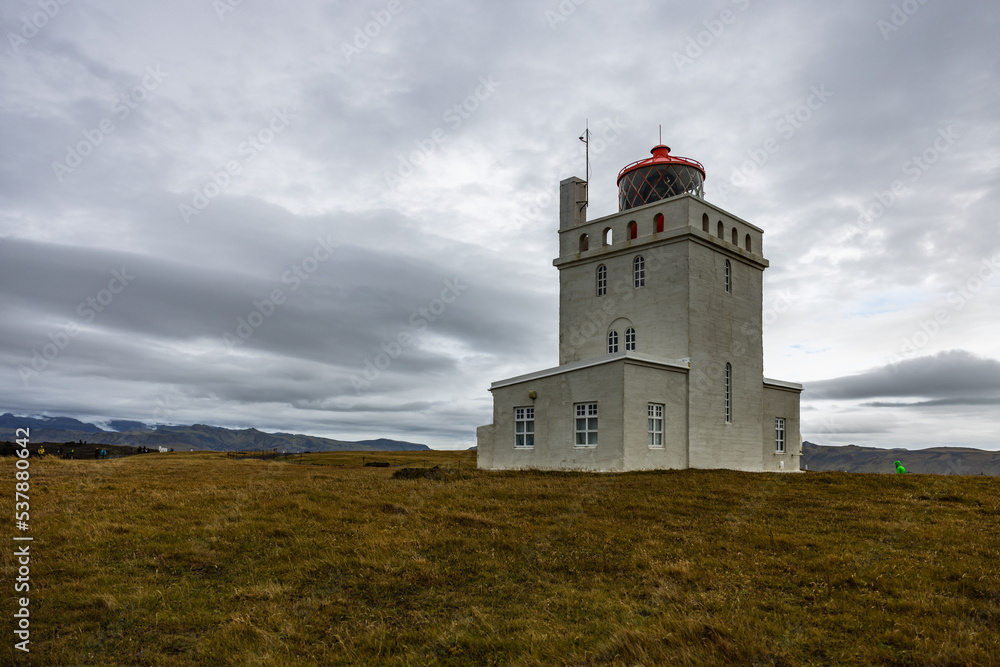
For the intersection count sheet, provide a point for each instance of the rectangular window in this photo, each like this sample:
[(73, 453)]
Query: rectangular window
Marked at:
[(655, 425), (729, 393), (639, 272), (586, 424), (602, 280), (779, 435), (524, 427)]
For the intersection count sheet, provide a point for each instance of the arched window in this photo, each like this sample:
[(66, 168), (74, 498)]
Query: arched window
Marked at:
[(722, 231), (602, 280), (704, 223), (630, 339), (747, 244), (639, 272), (606, 240), (612, 342), (729, 393), (584, 242), (659, 222), (729, 277), (633, 230), (736, 237)]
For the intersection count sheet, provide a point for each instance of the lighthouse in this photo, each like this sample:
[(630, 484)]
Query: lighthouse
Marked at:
[(660, 341)]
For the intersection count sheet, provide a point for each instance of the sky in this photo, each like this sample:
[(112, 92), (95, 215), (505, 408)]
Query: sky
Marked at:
[(340, 218)]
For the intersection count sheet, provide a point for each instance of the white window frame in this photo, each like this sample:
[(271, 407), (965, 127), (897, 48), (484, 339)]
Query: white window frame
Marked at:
[(602, 280), (654, 425), (630, 339), (524, 419), (779, 435), (639, 272), (612, 342), (585, 424), (729, 393)]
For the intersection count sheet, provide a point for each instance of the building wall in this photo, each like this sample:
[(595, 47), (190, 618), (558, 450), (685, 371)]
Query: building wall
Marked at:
[(681, 212), (781, 402), (645, 385), (657, 311), (660, 306), (555, 447), (725, 328), (663, 306), (484, 445)]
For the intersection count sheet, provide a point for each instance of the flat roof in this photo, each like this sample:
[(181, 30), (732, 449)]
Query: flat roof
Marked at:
[(675, 364), (783, 384), (682, 364)]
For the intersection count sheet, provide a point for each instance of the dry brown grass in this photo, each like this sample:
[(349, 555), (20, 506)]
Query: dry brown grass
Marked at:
[(193, 559)]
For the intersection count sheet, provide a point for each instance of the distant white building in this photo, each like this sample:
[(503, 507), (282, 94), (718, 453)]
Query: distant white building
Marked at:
[(660, 349)]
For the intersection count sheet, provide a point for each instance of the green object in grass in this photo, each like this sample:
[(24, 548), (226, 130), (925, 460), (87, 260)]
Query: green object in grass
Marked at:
[(899, 468)]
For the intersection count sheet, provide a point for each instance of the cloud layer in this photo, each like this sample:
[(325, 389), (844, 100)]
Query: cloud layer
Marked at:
[(340, 219), (945, 375)]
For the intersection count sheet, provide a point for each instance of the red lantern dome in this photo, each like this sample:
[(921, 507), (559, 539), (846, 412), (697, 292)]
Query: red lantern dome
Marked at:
[(659, 177)]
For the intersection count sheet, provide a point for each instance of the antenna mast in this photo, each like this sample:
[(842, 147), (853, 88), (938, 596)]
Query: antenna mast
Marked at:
[(585, 138)]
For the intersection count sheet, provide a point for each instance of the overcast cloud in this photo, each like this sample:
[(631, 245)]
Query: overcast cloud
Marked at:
[(225, 212)]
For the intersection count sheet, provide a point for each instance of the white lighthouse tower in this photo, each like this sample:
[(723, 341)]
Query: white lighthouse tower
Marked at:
[(660, 350)]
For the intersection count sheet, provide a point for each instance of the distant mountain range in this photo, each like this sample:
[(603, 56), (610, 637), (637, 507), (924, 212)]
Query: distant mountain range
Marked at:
[(848, 458), (197, 436), (935, 460)]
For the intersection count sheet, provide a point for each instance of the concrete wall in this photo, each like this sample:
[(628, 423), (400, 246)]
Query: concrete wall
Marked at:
[(783, 402), (663, 306), (484, 446), (555, 447), (572, 202), (658, 311), (645, 385), (682, 213), (725, 327), (623, 388)]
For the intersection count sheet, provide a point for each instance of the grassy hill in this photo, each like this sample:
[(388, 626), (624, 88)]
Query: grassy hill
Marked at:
[(933, 460), (195, 559)]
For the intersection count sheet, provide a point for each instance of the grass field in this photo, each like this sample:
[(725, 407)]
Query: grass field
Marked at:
[(196, 559)]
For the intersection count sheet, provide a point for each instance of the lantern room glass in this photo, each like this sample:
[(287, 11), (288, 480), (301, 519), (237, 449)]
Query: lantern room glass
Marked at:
[(651, 183)]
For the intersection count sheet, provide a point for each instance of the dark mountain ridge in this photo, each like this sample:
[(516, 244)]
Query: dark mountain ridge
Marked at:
[(9, 421), (933, 460), (195, 436)]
